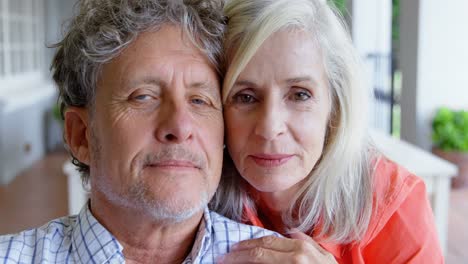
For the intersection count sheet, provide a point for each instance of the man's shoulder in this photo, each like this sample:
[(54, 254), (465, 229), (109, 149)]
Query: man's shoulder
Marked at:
[(37, 243), (234, 231)]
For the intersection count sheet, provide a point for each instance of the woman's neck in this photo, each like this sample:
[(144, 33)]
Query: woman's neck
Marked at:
[(272, 205)]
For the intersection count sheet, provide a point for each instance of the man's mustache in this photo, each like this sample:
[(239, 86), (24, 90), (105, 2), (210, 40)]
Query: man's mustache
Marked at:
[(174, 153)]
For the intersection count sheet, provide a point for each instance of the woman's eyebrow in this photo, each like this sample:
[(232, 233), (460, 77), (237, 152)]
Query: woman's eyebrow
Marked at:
[(301, 79), (245, 83)]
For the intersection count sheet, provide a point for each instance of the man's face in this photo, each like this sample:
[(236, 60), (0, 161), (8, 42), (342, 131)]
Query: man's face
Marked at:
[(156, 132)]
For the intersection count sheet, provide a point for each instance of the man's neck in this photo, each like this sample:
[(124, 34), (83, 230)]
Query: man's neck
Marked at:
[(144, 239)]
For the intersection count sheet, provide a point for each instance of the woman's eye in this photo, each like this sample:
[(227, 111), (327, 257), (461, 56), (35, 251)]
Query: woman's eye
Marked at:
[(244, 98), (301, 96)]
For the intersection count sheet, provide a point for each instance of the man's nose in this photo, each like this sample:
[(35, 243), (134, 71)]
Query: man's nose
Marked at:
[(271, 121), (176, 125)]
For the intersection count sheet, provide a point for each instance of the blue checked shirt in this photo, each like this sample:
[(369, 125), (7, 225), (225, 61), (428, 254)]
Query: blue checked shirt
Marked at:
[(82, 239)]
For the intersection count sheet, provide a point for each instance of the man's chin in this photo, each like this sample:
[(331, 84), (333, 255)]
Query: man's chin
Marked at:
[(175, 215), (161, 205), (173, 208)]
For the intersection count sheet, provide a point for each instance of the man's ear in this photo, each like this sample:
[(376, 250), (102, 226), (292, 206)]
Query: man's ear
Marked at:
[(76, 133)]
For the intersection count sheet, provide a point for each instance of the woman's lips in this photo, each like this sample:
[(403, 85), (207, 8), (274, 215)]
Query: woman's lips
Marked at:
[(270, 160)]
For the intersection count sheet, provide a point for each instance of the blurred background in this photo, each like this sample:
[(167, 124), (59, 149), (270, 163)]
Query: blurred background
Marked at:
[(415, 55)]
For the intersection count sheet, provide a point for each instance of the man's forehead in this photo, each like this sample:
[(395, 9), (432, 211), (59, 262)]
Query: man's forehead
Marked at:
[(152, 60), (201, 83), (168, 39)]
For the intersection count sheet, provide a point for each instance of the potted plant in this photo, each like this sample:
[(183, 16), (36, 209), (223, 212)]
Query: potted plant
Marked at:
[(450, 141)]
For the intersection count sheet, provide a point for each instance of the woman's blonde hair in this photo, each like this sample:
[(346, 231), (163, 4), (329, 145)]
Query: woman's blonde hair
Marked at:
[(337, 195)]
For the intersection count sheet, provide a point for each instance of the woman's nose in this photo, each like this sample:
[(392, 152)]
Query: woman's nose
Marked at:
[(271, 122)]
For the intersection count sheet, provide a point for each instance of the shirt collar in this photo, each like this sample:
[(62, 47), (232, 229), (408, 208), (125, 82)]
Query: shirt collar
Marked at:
[(92, 242), (202, 240)]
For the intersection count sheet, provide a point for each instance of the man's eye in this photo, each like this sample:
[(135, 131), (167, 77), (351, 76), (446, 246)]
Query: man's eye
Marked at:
[(199, 101), (244, 99), (142, 97), (301, 96)]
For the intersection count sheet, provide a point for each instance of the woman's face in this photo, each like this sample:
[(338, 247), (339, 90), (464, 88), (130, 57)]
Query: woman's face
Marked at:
[(276, 113)]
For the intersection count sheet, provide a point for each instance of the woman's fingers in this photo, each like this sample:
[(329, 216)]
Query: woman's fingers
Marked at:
[(267, 242), (326, 256), (254, 255), (301, 236), (273, 249), (296, 234)]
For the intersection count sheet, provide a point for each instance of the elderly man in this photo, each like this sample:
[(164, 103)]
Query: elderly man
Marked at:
[(140, 94)]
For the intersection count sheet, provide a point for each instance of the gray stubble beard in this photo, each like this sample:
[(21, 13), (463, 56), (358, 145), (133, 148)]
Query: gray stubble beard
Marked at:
[(139, 197)]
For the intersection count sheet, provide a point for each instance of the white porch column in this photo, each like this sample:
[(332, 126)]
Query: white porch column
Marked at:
[(434, 63), (371, 26)]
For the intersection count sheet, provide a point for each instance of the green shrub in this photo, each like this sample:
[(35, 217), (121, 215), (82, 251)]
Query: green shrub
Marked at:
[(56, 113), (450, 130), (340, 5)]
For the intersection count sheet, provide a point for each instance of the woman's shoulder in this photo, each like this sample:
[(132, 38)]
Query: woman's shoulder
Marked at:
[(392, 186), (402, 224), (391, 182)]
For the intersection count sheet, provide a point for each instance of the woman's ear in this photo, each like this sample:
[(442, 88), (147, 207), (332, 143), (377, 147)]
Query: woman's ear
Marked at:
[(76, 133)]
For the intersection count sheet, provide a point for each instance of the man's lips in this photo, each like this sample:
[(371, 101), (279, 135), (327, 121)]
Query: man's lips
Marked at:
[(270, 160), (174, 164)]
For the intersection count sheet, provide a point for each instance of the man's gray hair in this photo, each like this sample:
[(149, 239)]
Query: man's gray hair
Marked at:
[(104, 28)]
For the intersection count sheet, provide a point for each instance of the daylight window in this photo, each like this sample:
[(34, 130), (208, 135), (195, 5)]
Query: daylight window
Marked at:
[(21, 36)]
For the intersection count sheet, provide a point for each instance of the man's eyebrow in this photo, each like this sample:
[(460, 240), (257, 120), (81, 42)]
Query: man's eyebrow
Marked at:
[(147, 80), (206, 86), (201, 85)]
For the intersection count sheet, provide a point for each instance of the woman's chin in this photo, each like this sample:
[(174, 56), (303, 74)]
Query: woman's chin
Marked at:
[(272, 182), (271, 185)]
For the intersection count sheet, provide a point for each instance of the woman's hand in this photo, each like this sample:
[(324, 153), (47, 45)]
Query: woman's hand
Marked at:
[(300, 248)]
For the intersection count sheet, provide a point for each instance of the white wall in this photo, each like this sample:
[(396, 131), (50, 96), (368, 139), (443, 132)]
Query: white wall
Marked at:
[(434, 60)]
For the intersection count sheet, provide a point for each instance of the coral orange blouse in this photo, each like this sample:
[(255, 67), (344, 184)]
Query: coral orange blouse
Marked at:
[(401, 229)]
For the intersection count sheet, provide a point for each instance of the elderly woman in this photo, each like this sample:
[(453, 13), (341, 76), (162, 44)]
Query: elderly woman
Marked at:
[(295, 113)]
